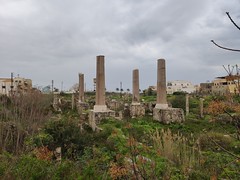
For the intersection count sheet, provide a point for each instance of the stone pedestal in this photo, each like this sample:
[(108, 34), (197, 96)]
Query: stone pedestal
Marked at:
[(137, 110), (169, 115), (100, 108), (114, 105), (161, 106), (82, 106), (96, 117)]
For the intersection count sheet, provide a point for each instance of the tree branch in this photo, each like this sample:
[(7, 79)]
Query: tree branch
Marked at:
[(230, 153), (229, 49), (232, 21)]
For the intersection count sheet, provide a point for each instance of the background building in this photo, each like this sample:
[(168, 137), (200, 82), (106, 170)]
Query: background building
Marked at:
[(14, 85), (226, 84), (180, 86)]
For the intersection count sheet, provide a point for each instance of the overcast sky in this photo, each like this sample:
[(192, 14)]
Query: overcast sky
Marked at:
[(46, 40)]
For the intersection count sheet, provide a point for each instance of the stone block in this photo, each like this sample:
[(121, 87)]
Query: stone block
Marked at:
[(96, 117), (137, 110), (82, 106), (169, 115)]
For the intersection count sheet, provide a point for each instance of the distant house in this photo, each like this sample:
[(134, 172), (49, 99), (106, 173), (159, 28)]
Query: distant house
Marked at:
[(206, 88), (178, 86), (225, 84), (17, 84)]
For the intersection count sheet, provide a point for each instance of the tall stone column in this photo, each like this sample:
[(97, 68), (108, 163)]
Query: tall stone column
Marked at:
[(187, 104), (73, 101), (162, 112), (81, 87), (161, 85), (100, 105), (135, 96), (201, 107), (136, 109)]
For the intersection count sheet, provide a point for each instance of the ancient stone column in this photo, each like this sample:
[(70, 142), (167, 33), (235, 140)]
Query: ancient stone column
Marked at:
[(201, 107), (100, 105), (135, 96), (73, 102), (81, 87), (161, 85), (187, 104)]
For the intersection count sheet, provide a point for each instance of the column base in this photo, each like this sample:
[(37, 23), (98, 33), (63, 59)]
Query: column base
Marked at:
[(161, 106), (100, 108), (168, 115), (137, 110)]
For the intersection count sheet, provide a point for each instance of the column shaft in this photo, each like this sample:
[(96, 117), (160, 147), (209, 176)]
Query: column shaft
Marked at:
[(81, 87), (161, 85), (100, 81), (135, 86)]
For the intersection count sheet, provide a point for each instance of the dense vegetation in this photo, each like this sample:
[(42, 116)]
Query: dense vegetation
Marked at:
[(200, 148)]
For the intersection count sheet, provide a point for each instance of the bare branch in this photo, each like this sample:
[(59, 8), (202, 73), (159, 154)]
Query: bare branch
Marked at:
[(232, 21), (229, 49), (234, 155)]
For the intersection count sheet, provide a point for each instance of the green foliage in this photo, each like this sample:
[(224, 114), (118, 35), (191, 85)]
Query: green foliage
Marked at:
[(95, 162), (6, 164), (149, 98), (128, 149), (221, 165), (212, 141), (21, 115), (66, 134), (178, 101), (38, 140), (29, 167), (180, 93), (65, 170)]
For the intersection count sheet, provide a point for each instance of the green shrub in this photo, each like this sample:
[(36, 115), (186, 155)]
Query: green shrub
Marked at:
[(66, 170), (66, 133), (214, 141), (5, 165), (221, 165), (29, 167)]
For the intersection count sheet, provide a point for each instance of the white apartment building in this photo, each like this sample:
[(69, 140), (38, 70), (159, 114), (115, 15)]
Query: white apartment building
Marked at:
[(180, 86)]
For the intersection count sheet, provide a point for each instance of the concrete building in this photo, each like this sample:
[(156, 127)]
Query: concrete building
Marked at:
[(180, 86), (16, 84), (225, 84), (205, 88)]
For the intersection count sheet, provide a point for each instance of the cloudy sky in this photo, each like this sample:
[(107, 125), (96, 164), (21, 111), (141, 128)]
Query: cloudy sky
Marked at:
[(48, 40)]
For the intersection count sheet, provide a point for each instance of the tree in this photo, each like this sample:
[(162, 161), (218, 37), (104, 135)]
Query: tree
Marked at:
[(226, 48)]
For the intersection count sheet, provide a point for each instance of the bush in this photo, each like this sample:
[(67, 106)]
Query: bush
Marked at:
[(6, 160), (65, 133), (29, 167), (213, 141), (178, 101)]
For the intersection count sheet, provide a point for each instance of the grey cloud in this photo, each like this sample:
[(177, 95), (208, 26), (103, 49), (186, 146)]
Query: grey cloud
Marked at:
[(58, 39)]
